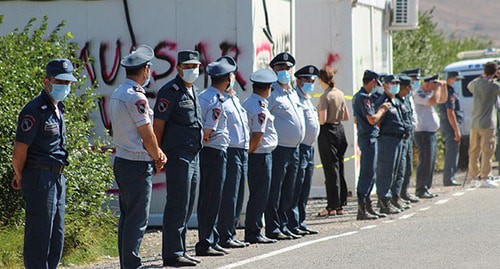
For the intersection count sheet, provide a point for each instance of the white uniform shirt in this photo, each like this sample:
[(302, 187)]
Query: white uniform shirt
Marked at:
[(214, 118), (261, 120), (130, 110), (427, 117), (311, 120), (237, 122)]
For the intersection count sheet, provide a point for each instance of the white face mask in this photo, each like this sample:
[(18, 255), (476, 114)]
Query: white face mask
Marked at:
[(190, 75)]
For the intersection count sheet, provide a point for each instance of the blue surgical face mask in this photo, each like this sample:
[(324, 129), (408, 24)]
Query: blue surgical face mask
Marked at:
[(284, 77), (60, 91), (147, 80), (308, 87), (456, 85), (190, 75), (394, 89), (415, 84), (231, 85)]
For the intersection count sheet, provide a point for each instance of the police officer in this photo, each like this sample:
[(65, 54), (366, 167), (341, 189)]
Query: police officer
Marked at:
[(178, 128), (213, 156), (451, 117), (236, 169), (392, 132), (367, 118), (137, 153), (39, 159), (414, 75), (289, 123), (263, 141), (430, 93), (306, 77)]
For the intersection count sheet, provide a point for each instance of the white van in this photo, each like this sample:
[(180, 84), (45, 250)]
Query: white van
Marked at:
[(470, 68)]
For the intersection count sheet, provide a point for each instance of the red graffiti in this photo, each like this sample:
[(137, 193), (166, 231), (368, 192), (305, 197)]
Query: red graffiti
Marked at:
[(104, 115), (109, 77), (264, 47), (204, 59), (332, 58), (89, 66), (160, 53), (233, 51)]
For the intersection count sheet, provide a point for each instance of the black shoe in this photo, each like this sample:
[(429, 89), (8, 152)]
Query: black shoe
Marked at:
[(209, 252), (309, 231), (409, 197), (452, 183), (279, 236), (220, 249), (179, 262), (293, 235), (425, 195), (189, 257), (299, 232), (261, 240), (232, 244), (369, 209), (246, 244), (397, 203), (363, 214), (386, 207)]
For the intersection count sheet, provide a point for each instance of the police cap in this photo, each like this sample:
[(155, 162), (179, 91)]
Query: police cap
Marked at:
[(263, 76), (372, 75), (60, 69), (455, 74), (283, 58), (188, 57), (404, 80), (221, 67), (309, 71), (391, 79), (415, 72), (431, 78), (138, 58)]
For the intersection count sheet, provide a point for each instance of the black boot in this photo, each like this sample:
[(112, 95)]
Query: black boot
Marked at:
[(407, 196), (363, 214), (386, 207), (399, 204), (369, 209)]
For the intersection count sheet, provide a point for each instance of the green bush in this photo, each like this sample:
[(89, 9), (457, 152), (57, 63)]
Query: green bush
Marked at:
[(23, 56)]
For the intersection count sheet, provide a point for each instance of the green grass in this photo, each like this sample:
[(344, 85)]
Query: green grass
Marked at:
[(11, 252)]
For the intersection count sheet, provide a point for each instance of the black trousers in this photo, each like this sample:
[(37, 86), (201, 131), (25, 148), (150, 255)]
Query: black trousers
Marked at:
[(332, 145)]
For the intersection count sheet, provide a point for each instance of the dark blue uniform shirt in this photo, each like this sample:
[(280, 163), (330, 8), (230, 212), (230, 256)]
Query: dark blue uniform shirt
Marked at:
[(43, 131), (392, 121), (363, 106), (406, 113), (181, 111), (451, 103)]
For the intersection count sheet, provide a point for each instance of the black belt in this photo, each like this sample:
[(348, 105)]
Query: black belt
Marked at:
[(399, 136), (52, 168)]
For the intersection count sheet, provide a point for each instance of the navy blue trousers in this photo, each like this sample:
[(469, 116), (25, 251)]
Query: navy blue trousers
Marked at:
[(408, 165), (259, 183), (213, 174), (284, 174), (387, 165), (181, 173), (368, 165), (451, 150), (232, 193), (45, 195), (297, 212), (397, 184), (134, 179), (426, 144)]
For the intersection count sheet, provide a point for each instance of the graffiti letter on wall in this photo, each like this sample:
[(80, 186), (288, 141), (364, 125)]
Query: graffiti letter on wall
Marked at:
[(162, 55), (227, 48), (109, 77), (332, 58), (89, 66)]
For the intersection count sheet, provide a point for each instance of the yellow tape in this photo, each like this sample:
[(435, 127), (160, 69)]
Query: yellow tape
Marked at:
[(346, 159), (318, 95)]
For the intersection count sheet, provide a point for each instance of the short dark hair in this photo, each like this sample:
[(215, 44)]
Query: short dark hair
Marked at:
[(219, 79), (490, 68), (134, 71), (367, 80), (326, 75), (260, 86)]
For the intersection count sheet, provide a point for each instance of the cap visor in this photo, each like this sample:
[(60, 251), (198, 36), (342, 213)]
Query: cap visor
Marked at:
[(67, 77), (191, 62), (378, 82)]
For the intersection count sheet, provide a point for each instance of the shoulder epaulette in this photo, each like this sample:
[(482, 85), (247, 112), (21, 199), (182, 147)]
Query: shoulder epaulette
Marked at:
[(176, 87)]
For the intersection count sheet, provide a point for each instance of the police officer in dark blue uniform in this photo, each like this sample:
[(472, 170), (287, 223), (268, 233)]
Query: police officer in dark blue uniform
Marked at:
[(392, 132), (213, 156), (263, 141), (366, 118), (178, 128), (39, 159), (137, 153)]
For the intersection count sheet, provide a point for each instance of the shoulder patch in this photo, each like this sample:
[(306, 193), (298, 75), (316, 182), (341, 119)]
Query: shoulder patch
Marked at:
[(422, 94), (141, 106), (216, 114), (27, 123), (163, 104), (261, 117), (367, 102)]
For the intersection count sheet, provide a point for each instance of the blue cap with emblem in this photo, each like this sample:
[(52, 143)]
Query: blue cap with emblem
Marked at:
[(372, 75), (415, 72), (263, 76), (431, 78), (404, 80), (138, 58), (221, 67), (188, 57), (283, 58), (60, 69), (391, 79), (309, 71)]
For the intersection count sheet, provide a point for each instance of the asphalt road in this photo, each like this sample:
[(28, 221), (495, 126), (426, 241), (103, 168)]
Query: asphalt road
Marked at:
[(458, 229)]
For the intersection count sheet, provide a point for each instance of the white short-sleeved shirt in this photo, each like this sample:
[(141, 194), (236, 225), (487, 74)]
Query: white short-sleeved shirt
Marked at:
[(129, 110), (289, 117), (237, 122), (214, 118), (310, 119), (261, 120), (427, 117)]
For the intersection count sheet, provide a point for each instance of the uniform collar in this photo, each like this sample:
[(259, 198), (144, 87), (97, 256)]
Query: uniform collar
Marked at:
[(302, 94), (134, 84), (214, 90), (46, 98), (260, 98), (277, 87)]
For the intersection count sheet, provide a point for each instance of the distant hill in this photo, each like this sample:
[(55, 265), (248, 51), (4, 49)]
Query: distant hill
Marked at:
[(465, 18)]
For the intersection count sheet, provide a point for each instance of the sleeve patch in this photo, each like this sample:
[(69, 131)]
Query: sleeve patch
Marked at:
[(27, 123), (367, 103), (216, 114), (163, 105), (141, 106), (262, 118)]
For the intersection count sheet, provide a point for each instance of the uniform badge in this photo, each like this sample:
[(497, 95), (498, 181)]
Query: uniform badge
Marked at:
[(65, 65), (141, 106), (262, 104), (422, 94), (215, 114), (285, 57), (262, 118), (192, 56), (27, 123), (163, 105), (311, 70), (367, 103)]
